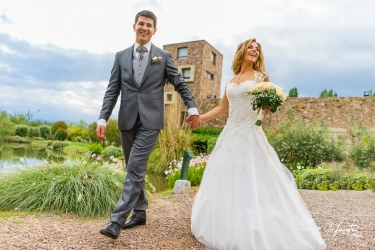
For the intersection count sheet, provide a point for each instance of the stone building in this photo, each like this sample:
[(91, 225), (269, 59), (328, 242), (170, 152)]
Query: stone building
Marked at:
[(200, 64)]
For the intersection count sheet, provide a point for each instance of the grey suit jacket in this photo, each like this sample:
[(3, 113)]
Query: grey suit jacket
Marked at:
[(147, 99)]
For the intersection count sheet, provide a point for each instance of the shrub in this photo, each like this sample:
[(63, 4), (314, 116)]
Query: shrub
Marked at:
[(39, 139), (58, 125), (210, 131), (112, 151), (96, 148), (34, 132), (59, 144), (194, 176), (45, 131), (306, 144), (49, 143), (80, 187), (7, 127), (362, 151), (195, 172), (61, 135), (17, 139), (201, 137), (211, 144), (22, 130), (293, 92), (325, 179)]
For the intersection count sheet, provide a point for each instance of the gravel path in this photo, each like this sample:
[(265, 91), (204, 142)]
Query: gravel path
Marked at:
[(346, 218)]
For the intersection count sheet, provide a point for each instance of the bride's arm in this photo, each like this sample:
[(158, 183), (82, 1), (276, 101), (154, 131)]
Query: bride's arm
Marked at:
[(217, 111)]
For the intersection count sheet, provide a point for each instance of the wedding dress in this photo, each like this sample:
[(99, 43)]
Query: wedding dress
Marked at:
[(247, 199)]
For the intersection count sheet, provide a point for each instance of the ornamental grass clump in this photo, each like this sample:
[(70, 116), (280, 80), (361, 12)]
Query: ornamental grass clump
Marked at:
[(172, 140), (83, 187), (266, 94)]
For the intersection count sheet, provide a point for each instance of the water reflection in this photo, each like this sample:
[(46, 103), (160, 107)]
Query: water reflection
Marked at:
[(15, 156)]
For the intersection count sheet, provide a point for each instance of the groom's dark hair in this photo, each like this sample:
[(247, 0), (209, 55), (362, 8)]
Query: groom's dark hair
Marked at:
[(146, 13)]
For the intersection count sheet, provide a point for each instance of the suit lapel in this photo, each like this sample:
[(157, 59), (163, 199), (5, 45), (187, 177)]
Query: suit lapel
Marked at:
[(149, 65)]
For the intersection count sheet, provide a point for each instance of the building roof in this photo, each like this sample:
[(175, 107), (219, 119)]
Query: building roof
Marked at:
[(194, 42)]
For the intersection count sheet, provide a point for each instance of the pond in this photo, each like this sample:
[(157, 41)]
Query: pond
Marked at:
[(15, 156)]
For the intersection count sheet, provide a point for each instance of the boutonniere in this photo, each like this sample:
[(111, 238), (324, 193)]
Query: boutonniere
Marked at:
[(156, 59)]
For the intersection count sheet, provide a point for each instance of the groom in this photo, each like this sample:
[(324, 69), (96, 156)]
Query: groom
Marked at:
[(139, 73)]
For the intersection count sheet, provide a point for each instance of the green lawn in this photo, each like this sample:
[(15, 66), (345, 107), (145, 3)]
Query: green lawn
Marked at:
[(78, 147)]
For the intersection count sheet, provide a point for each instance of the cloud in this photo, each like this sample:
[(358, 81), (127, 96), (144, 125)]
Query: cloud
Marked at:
[(43, 65), (147, 5), (5, 20), (63, 83), (313, 59)]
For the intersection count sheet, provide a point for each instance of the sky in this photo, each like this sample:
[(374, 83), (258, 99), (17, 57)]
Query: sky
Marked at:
[(56, 56)]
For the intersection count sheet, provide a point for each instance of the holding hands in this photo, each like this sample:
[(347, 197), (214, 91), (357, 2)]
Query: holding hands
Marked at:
[(193, 121)]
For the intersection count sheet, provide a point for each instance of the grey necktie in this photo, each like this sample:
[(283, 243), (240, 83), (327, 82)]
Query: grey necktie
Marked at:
[(141, 50)]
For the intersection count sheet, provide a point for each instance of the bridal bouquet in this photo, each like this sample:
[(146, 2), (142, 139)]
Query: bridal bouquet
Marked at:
[(266, 94)]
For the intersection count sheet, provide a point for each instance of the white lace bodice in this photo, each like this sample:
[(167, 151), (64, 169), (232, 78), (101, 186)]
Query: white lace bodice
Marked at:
[(240, 109)]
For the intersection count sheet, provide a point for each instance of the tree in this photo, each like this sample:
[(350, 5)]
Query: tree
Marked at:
[(326, 93), (34, 132), (45, 131), (6, 126), (293, 92), (58, 125), (90, 133), (112, 133), (371, 94), (23, 119), (74, 132), (22, 130), (61, 134)]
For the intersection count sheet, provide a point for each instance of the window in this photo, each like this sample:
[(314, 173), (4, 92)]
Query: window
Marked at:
[(182, 53), (209, 75), (170, 97), (186, 73), (213, 58)]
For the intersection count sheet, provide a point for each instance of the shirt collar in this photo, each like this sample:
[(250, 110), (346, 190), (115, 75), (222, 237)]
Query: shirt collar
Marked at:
[(147, 45)]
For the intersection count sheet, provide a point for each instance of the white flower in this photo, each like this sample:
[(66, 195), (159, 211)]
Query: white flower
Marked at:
[(79, 198)]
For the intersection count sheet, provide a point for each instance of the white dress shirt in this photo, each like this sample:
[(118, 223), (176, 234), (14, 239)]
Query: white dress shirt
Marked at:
[(191, 111)]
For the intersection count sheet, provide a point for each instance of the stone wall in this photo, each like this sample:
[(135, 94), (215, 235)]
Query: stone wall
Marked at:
[(333, 110), (205, 105)]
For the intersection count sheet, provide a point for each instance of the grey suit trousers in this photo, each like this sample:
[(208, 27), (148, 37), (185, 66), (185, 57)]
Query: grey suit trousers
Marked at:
[(137, 145)]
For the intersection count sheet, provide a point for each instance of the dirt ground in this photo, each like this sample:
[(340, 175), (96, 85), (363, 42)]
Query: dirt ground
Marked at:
[(346, 219)]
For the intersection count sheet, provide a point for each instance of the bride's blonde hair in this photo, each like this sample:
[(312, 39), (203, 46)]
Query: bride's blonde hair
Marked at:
[(259, 65)]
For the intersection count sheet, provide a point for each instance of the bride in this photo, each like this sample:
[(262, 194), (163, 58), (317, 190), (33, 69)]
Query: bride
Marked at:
[(247, 198)]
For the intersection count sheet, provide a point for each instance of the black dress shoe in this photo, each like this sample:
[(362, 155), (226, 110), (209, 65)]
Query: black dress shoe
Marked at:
[(134, 221), (113, 230)]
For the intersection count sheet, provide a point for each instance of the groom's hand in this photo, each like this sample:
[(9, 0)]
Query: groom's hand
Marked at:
[(100, 132), (193, 121)]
